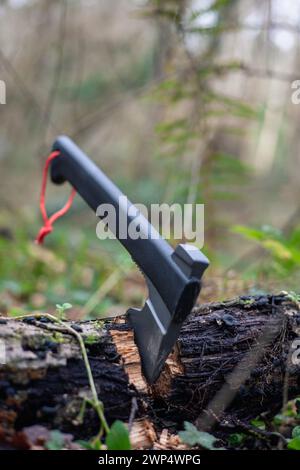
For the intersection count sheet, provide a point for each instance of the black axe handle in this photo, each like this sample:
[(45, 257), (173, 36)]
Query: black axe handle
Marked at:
[(173, 276)]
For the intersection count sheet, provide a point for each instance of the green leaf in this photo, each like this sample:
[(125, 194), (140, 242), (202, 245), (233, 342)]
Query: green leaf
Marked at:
[(218, 4), (236, 439), (56, 441), (248, 232), (258, 423), (192, 436), (294, 237), (90, 445), (294, 444), (118, 437), (235, 106), (91, 339), (293, 297), (277, 249), (296, 432), (268, 237), (66, 306)]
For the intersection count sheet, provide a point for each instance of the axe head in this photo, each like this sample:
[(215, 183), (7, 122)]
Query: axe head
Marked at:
[(157, 325)]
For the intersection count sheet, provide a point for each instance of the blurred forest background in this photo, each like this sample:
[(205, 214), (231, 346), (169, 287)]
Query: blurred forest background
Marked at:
[(178, 101)]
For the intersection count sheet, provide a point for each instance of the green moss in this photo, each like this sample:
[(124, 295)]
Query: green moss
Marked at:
[(91, 339)]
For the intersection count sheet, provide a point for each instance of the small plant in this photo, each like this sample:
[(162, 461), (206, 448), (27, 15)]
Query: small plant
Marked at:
[(294, 443), (56, 441), (236, 439), (293, 297), (91, 339), (61, 309), (288, 420), (118, 437), (192, 436), (296, 431), (259, 424), (282, 250)]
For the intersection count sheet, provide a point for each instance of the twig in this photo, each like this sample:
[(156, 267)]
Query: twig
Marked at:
[(259, 433)]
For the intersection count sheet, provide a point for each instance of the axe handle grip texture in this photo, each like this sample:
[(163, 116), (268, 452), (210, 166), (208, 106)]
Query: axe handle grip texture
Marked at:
[(173, 276)]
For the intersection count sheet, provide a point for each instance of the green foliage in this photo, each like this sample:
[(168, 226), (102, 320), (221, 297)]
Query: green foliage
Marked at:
[(56, 441), (217, 5), (296, 431), (283, 250), (172, 91), (94, 444), (235, 107), (175, 136), (259, 423), (294, 444), (118, 437), (192, 103), (72, 265), (293, 297), (192, 436), (291, 410), (289, 418), (226, 173), (61, 309), (91, 339), (236, 439)]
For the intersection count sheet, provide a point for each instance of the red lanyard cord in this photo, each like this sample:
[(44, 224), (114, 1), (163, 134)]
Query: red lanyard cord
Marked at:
[(49, 221)]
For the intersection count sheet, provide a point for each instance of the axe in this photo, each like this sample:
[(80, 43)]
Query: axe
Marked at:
[(173, 276)]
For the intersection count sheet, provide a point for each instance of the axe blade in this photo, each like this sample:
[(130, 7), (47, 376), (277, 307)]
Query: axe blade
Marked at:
[(157, 327)]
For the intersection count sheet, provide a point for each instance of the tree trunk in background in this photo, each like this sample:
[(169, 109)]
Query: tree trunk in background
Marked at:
[(240, 349)]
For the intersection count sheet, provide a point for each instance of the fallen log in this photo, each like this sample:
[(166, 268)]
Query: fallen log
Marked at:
[(239, 348)]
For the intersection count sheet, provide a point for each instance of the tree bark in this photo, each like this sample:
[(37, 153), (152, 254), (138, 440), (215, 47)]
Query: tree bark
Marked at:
[(232, 358)]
